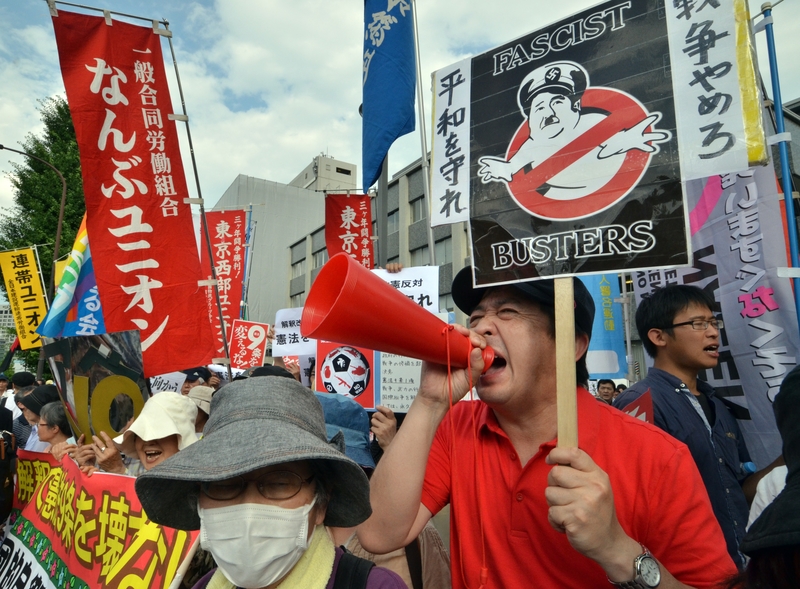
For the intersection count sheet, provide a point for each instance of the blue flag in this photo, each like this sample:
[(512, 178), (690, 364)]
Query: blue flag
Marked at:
[(607, 355), (388, 81)]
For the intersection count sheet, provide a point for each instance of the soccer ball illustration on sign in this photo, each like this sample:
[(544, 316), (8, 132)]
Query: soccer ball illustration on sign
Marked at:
[(581, 148), (345, 371)]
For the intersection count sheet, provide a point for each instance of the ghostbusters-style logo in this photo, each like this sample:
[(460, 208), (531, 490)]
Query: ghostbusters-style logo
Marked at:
[(580, 150), (345, 371)]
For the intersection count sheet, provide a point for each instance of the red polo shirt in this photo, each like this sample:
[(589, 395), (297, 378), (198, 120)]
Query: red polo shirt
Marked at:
[(659, 497)]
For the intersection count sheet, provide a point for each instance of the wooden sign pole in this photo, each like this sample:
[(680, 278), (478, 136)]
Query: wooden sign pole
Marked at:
[(567, 401)]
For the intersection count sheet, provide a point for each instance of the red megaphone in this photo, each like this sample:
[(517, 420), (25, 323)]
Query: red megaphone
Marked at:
[(350, 305)]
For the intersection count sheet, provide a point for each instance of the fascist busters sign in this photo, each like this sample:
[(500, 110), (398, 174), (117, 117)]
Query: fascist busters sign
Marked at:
[(571, 153)]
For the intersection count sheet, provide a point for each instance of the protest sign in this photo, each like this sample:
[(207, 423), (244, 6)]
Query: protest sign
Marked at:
[(450, 148), (568, 143), (143, 246), (172, 381), (25, 294), (738, 241), (348, 227), (248, 344), (348, 371), (288, 340), (69, 531), (607, 356), (419, 283), (100, 380), (227, 232)]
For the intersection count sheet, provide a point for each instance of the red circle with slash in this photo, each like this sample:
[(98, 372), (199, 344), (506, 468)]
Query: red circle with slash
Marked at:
[(625, 112)]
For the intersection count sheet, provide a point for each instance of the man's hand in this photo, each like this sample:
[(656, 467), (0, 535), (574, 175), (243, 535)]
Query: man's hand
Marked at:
[(582, 506), (83, 454), (108, 457), (384, 426), (58, 450), (434, 388)]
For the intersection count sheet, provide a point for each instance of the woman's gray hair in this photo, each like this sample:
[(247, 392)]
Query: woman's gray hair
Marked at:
[(54, 414)]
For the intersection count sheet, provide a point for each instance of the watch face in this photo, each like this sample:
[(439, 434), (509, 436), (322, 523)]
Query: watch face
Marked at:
[(648, 569)]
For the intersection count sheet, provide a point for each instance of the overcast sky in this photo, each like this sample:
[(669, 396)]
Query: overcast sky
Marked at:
[(269, 84)]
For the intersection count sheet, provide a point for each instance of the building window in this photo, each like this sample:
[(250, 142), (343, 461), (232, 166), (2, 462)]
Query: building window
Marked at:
[(420, 257), (393, 222), (446, 303), (299, 250), (297, 300), (299, 269), (444, 251), (418, 209), (320, 258)]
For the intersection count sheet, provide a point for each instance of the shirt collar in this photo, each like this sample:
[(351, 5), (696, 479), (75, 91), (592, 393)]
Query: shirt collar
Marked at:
[(588, 417), (676, 383)]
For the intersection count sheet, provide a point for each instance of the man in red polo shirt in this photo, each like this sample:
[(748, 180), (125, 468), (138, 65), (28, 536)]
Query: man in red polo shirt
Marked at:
[(627, 508)]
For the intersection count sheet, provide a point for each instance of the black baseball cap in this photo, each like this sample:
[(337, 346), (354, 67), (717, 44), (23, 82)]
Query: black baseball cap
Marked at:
[(200, 372), (466, 296)]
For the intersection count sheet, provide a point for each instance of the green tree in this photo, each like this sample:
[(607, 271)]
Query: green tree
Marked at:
[(37, 189), (33, 218)]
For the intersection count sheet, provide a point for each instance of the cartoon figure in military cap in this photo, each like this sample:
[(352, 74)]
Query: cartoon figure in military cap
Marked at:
[(550, 98)]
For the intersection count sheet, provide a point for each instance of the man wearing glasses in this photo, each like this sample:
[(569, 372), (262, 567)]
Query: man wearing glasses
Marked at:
[(680, 332)]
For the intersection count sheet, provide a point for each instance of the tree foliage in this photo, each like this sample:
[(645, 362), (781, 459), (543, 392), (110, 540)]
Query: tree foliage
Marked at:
[(37, 189)]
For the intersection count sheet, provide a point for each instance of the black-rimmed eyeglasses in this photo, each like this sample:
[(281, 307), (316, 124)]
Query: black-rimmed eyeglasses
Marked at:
[(700, 324), (276, 485)]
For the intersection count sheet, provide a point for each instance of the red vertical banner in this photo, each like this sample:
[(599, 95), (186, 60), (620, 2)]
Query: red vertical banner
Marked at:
[(226, 230), (143, 246), (348, 227)]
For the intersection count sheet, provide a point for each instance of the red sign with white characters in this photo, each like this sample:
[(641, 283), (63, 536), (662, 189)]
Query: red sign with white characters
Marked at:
[(348, 227), (248, 343), (143, 246), (227, 232)]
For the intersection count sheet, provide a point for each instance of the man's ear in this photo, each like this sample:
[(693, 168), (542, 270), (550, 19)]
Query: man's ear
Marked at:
[(576, 106), (658, 337), (581, 345)]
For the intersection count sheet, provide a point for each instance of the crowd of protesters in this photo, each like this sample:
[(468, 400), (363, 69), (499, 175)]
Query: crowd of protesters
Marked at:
[(291, 488)]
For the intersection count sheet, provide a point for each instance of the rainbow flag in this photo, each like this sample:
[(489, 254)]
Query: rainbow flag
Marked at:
[(76, 305)]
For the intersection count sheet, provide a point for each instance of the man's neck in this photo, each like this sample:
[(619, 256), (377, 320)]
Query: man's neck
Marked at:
[(687, 376), (529, 429)]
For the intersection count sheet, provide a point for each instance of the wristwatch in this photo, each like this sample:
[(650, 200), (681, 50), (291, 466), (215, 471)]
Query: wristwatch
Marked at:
[(646, 572)]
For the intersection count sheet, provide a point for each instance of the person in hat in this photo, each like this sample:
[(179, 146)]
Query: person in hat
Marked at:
[(32, 404), (195, 377), (773, 540), (261, 486), (524, 511), (681, 333), (22, 382), (164, 427), (201, 396)]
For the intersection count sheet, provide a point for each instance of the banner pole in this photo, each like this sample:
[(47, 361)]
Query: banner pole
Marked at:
[(566, 381), (786, 174), (626, 309), (204, 222), (245, 274), (251, 241), (422, 139)]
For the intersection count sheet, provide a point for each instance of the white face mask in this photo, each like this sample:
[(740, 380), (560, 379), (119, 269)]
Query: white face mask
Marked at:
[(255, 545)]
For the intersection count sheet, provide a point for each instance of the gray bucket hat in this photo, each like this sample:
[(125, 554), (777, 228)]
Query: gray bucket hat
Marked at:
[(255, 423)]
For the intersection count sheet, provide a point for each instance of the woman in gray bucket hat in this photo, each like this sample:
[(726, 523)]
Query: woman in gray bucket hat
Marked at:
[(261, 486)]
